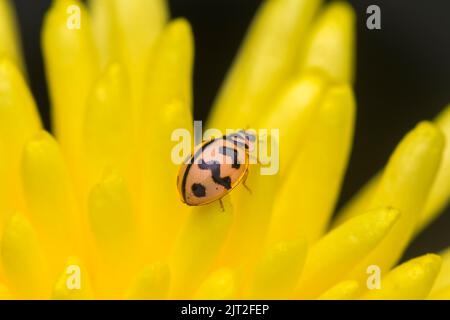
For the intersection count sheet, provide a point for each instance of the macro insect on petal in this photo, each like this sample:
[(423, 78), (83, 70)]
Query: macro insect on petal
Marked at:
[(216, 167)]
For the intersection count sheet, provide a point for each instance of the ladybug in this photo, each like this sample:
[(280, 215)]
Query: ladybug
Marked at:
[(215, 168)]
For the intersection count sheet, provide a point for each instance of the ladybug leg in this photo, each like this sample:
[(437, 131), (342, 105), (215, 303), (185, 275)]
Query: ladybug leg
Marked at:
[(244, 180), (221, 205), (246, 187)]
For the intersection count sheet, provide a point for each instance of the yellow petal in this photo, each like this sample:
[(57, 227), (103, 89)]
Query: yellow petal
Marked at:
[(10, 44), (220, 285), (331, 47), (114, 227), (5, 294), (18, 113), (6, 198), (103, 30), (168, 107), (358, 203), (345, 290), (73, 283), (152, 283), (405, 184), (49, 198), (9, 198), (277, 273), (264, 63), (253, 211), (330, 259), (294, 113), (198, 246), (307, 197), (71, 66), (443, 294), (443, 279), (19, 120), (135, 27), (437, 199), (22, 260), (411, 280), (111, 216), (440, 192), (170, 69), (107, 129)]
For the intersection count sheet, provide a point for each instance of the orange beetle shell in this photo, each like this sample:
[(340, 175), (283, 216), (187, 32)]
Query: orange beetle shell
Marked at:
[(214, 169)]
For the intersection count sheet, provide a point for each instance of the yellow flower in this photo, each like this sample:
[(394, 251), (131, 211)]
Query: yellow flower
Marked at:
[(93, 212)]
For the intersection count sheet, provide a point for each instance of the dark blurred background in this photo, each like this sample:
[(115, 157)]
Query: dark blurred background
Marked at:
[(403, 75)]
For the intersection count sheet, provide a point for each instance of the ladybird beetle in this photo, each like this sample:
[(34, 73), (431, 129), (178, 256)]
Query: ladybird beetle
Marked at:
[(215, 167)]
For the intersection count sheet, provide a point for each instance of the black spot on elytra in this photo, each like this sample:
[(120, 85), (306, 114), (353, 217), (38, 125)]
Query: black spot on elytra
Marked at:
[(189, 166), (199, 190), (214, 167), (232, 153)]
